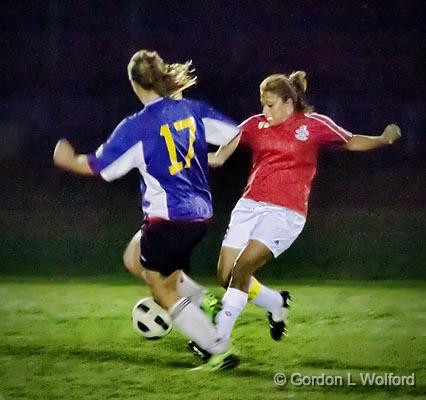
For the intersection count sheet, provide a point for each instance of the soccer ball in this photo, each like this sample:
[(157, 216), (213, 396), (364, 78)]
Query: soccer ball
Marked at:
[(150, 320)]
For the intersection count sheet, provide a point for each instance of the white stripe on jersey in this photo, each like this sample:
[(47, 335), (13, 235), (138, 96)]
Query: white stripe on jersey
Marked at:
[(99, 151), (123, 164), (343, 133), (249, 118), (218, 132), (154, 194)]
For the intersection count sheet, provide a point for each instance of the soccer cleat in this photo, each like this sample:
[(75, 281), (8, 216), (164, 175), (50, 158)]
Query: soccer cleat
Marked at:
[(219, 362), (279, 328), (204, 355), (211, 305)]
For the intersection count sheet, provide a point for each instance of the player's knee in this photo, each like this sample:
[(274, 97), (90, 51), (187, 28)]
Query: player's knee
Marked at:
[(127, 259)]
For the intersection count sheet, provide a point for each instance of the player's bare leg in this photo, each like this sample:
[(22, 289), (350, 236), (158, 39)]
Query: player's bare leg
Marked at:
[(225, 264), (258, 293), (187, 287), (190, 320), (131, 257), (163, 288), (254, 256), (243, 285)]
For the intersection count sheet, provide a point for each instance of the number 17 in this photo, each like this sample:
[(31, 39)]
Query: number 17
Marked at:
[(188, 123)]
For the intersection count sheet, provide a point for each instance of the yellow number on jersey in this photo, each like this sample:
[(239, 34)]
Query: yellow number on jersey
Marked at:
[(175, 165)]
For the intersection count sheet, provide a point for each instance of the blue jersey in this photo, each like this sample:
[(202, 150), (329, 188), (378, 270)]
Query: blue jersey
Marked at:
[(167, 143)]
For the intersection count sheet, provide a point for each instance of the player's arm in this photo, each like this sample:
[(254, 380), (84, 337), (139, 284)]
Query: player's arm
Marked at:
[(218, 158), (66, 158), (363, 143), (220, 131)]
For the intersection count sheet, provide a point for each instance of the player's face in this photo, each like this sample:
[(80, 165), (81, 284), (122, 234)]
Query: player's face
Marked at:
[(276, 110)]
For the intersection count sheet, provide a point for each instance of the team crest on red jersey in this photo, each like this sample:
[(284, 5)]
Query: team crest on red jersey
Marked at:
[(262, 125), (302, 133)]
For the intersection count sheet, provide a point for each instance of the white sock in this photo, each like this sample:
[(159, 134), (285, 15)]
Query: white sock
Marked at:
[(270, 300), (194, 324), (187, 287), (233, 303)]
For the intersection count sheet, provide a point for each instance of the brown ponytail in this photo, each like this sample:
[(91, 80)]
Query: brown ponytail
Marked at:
[(148, 69), (288, 87)]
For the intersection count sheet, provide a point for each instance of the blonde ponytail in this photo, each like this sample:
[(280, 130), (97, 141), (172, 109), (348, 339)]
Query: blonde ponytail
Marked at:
[(148, 69), (180, 78), (299, 81)]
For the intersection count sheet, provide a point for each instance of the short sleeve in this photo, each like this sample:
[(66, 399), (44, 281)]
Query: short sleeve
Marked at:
[(245, 136), (119, 154), (220, 130), (327, 131), (247, 128)]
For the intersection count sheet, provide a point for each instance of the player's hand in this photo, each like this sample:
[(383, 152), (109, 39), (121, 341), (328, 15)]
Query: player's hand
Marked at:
[(390, 134), (64, 153)]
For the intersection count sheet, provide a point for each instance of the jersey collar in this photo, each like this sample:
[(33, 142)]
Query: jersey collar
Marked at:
[(294, 115), (150, 103)]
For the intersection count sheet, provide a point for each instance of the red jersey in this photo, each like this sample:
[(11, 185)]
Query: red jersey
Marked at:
[(284, 156)]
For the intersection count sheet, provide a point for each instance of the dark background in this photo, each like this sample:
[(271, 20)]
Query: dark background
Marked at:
[(63, 68)]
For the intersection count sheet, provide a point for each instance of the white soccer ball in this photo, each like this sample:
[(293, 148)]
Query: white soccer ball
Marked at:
[(150, 320)]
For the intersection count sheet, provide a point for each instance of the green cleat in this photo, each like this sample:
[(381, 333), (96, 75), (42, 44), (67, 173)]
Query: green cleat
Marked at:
[(219, 362), (211, 305)]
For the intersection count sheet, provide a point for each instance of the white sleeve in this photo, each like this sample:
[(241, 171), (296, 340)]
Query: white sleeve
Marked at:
[(132, 158), (219, 132)]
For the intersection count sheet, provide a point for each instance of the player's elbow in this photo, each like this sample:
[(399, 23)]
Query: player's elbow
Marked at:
[(353, 145)]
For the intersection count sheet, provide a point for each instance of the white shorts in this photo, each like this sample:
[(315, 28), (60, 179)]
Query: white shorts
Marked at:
[(275, 226)]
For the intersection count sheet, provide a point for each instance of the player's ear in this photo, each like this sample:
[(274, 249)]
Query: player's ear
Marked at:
[(289, 101)]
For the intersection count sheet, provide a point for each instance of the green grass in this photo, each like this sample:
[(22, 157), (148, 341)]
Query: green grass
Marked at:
[(72, 339)]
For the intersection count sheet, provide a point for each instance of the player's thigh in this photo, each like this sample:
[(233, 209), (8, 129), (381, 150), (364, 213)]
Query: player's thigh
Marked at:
[(227, 258), (254, 256), (278, 228), (244, 217), (131, 256)]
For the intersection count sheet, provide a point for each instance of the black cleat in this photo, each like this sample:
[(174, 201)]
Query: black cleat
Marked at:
[(202, 354), (279, 328)]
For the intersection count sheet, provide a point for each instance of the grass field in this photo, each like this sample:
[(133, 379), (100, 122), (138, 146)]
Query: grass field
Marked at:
[(72, 339)]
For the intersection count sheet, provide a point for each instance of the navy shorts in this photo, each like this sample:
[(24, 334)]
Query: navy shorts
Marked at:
[(166, 245)]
